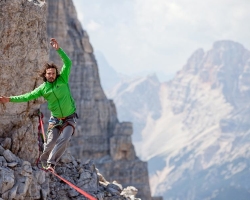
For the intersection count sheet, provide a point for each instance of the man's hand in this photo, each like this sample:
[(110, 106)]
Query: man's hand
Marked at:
[(54, 43), (4, 99)]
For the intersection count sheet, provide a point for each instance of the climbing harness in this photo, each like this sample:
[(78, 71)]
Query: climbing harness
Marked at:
[(61, 123), (41, 128)]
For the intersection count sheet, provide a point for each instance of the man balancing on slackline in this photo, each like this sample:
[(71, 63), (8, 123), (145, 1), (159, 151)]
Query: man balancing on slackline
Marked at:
[(62, 122)]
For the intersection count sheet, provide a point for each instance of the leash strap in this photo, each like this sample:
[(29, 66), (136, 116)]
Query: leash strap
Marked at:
[(60, 123)]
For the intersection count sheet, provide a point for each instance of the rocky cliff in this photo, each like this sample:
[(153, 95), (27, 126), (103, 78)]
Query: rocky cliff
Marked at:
[(99, 136), (198, 148), (24, 49)]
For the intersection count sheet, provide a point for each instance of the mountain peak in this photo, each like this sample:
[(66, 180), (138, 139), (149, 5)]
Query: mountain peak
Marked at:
[(225, 59), (153, 77), (227, 45), (193, 62)]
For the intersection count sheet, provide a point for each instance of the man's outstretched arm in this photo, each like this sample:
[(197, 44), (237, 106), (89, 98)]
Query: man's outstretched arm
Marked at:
[(4, 99), (36, 93)]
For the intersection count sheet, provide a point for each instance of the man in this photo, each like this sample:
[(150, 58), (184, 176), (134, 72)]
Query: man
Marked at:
[(55, 90)]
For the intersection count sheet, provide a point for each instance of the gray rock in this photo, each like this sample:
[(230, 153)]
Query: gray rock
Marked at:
[(3, 162), (40, 176), (116, 186), (12, 192), (12, 164), (102, 179), (23, 186), (129, 191), (100, 196), (45, 189), (34, 190), (6, 143), (66, 158), (1, 150), (83, 183), (73, 193), (7, 179), (86, 175), (9, 156), (113, 191), (75, 163), (26, 169)]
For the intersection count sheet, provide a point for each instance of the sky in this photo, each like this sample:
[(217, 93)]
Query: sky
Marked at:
[(159, 36)]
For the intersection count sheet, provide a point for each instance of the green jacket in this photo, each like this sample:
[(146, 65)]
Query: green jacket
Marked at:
[(60, 101)]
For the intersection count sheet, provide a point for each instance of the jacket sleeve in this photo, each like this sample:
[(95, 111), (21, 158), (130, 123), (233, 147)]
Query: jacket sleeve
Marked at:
[(36, 93), (65, 71)]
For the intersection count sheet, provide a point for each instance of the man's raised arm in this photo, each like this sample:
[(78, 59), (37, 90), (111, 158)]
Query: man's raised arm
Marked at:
[(65, 71)]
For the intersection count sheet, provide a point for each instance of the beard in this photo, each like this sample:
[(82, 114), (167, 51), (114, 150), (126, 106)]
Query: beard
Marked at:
[(51, 80)]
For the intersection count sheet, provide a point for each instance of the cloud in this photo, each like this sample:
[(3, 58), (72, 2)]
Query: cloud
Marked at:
[(157, 34), (93, 26)]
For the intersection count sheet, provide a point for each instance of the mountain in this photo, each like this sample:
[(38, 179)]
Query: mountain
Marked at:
[(108, 76), (198, 147), (135, 99), (111, 79)]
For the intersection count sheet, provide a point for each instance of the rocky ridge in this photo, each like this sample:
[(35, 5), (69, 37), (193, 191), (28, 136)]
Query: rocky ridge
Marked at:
[(21, 180)]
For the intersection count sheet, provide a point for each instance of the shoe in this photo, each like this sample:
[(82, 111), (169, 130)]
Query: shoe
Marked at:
[(50, 167), (43, 163)]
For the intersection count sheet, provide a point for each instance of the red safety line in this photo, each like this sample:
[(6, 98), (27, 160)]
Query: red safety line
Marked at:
[(41, 124), (73, 186), (38, 136)]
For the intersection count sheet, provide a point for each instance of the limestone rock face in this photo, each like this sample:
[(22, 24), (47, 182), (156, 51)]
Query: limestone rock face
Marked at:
[(121, 146), (99, 134), (23, 50)]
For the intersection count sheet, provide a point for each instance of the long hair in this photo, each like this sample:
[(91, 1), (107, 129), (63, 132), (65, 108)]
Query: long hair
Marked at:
[(48, 66)]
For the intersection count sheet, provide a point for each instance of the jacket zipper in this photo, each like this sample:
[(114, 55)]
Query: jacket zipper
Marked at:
[(57, 99)]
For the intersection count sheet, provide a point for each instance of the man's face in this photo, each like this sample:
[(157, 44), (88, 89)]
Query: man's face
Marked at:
[(50, 74)]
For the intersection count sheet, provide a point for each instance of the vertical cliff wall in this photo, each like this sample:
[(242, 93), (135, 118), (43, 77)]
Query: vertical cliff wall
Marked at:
[(23, 51), (99, 134)]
